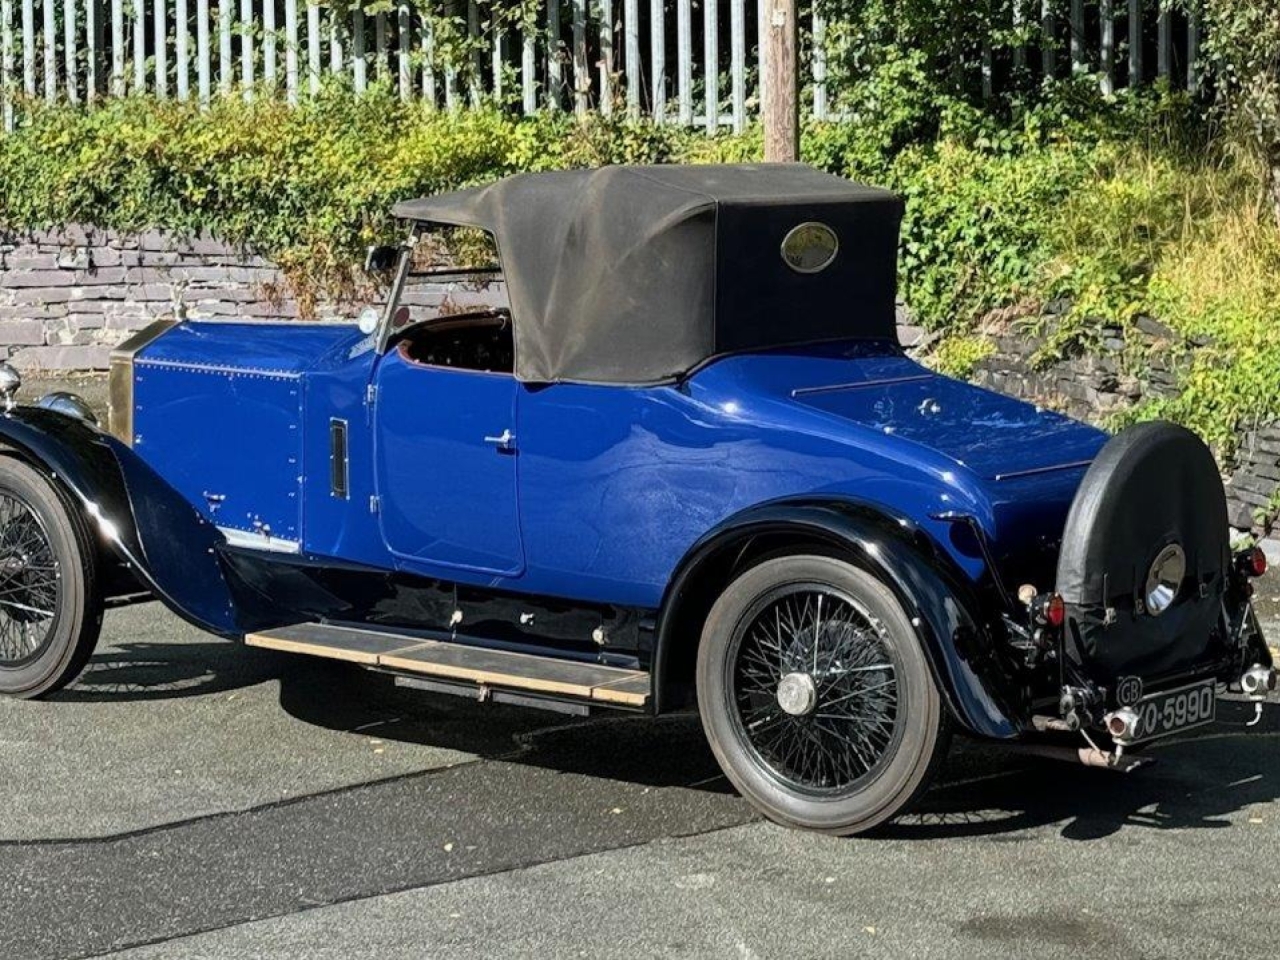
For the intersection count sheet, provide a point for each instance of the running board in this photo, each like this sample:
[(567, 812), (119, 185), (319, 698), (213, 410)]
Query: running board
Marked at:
[(571, 679)]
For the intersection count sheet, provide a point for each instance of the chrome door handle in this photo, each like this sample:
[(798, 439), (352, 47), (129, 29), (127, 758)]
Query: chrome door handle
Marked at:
[(503, 440)]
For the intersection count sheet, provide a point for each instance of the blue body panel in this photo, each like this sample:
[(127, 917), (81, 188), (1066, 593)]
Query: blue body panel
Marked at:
[(609, 487), (447, 495), (277, 348), (617, 485), (218, 409), (257, 416)]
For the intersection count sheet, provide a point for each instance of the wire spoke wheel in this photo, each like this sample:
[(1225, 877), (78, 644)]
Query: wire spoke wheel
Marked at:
[(50, 598), (814, 689), (30, 583), (816, 695)]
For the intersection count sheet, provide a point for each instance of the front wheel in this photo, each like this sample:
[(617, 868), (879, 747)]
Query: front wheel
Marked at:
[(816, 696), (50, 606)]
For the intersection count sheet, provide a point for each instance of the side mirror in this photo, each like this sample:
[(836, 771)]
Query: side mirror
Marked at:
[(381, 259)]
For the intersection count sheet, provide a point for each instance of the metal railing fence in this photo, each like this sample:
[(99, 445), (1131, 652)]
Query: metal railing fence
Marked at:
[(668, 59)]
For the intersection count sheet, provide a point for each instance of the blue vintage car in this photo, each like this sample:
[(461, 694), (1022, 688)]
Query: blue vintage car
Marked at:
[(684, 465)]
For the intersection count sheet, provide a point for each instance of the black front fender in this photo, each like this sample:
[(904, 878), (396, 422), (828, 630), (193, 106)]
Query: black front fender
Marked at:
[(167, 544), (941, 602)]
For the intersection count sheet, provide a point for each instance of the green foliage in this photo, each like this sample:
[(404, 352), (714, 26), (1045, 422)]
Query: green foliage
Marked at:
[(309, 186), (891, 106), (908, 73), (933, 45), (1217, 278), (1241, 54), (1187, 239), (974, 235), (959, 354), (983, 187), (454, 44)]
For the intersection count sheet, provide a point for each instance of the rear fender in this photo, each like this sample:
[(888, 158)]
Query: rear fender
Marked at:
[(167, 544), (939, 600)]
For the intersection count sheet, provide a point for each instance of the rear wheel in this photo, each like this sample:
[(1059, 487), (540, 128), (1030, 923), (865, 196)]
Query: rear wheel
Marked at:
[(816, 696), (50, 607)]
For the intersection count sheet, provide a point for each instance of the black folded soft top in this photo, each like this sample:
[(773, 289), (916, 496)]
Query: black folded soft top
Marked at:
[(638, 274)]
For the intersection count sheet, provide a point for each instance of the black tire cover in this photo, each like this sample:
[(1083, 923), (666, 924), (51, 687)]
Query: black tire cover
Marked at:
[(1152, 485)]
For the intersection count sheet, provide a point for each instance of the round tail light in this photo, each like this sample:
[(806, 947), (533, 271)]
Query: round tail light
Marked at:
[(1257, 562), (1251, 562), (1055, 611)]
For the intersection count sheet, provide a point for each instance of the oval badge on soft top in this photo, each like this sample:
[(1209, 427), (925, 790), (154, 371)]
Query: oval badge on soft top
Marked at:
[(810, 247)]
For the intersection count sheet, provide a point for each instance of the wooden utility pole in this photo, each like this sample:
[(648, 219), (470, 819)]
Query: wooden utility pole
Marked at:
[(781, 107)]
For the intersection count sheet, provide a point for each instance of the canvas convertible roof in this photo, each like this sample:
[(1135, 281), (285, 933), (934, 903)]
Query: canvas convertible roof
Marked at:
[(637, 274)]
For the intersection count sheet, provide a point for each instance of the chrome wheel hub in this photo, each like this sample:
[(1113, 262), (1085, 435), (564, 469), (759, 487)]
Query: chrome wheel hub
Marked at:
[(797, 694), (1164, 579)]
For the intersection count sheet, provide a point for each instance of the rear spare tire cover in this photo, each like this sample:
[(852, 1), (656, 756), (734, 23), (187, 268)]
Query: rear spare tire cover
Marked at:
[(1146, 539)]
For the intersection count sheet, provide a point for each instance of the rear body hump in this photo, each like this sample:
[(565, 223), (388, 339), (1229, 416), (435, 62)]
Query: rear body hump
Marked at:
[(925, 445)]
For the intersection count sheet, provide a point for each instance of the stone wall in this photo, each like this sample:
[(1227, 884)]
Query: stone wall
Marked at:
[(68, 296), (1143, 360), (1254, 487)]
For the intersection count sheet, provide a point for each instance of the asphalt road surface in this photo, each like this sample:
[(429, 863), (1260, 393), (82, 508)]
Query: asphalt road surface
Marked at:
[(193, 798)]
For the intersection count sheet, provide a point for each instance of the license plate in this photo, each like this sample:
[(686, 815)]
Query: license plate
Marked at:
[(1175, 710)]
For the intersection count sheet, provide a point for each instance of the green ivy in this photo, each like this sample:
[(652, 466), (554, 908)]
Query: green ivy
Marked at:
[(958, 355), (309, 186)]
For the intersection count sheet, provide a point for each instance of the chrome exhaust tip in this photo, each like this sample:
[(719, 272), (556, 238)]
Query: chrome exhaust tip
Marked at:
[(1122, 724), (1258, 681)]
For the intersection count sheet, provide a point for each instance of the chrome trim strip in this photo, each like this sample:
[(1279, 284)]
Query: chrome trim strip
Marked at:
[(258, 541), (882, 382), (193, 311), (1015, 474), (120, 379), (222, 368)]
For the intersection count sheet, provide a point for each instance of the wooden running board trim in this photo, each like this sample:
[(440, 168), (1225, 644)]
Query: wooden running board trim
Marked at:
[(456, 661)]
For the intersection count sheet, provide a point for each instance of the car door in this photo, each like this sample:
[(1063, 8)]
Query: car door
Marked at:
[(445, 460)]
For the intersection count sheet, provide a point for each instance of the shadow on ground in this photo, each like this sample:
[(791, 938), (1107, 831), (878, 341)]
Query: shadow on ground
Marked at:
[(166, 671), (1201, 781), (984, 790)]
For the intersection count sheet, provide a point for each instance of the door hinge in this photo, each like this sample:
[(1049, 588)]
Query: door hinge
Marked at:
[(370, 394), (375, 502)]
